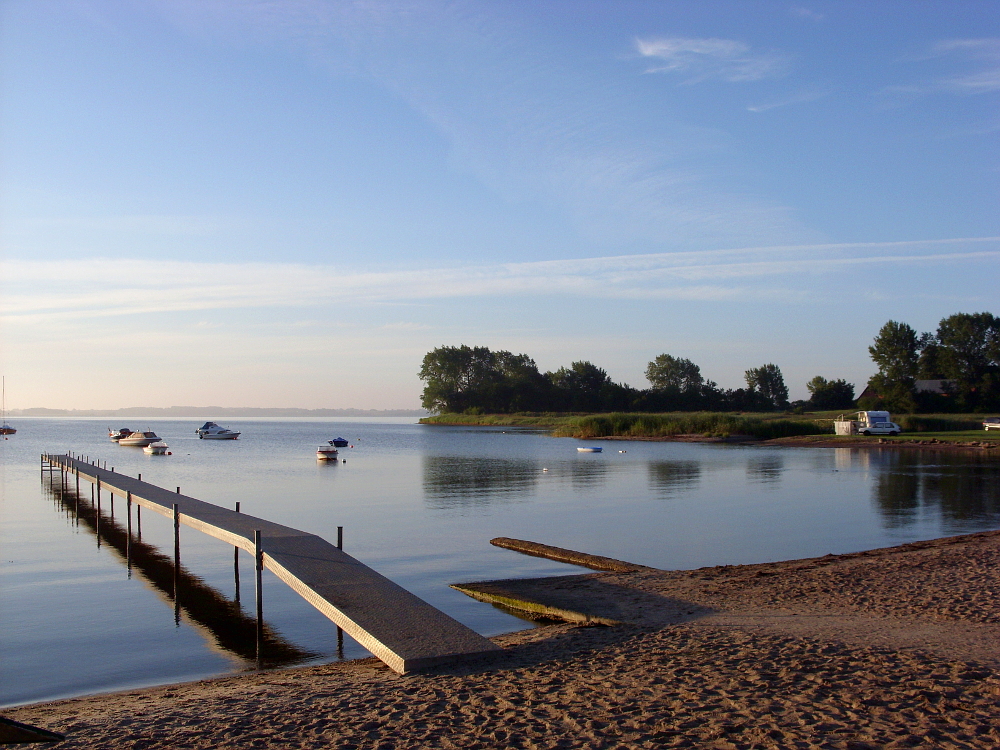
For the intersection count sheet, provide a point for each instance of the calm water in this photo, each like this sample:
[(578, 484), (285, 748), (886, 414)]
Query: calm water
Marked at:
[(418, 504)]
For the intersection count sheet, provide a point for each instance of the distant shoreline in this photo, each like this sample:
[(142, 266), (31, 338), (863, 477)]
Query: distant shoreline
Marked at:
[(213, 412)]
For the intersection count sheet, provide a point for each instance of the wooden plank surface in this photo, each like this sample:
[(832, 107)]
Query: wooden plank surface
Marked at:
[(398, 627)]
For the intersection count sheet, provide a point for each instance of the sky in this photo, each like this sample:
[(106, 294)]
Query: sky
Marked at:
[(287, 204)]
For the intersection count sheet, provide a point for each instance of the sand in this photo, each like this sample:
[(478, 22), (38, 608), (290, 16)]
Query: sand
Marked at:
[(894, 648)]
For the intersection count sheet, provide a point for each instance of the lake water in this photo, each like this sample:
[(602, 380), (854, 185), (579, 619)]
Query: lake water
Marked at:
[(419, 504)]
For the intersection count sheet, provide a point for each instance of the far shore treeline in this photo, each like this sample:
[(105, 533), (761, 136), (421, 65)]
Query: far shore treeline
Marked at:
[(962, 359)]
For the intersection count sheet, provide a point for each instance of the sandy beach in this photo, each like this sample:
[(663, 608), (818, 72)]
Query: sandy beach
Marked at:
[(892, 648)]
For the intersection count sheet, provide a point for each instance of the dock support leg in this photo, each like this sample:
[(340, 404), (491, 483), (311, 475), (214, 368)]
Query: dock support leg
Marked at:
[(340, 630), (77, 472), (128, 533), (236, 563), (177, 564), (258, 554)]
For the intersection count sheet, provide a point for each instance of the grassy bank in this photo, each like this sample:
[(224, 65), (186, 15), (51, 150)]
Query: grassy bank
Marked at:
[(709, 424), (765, 426)]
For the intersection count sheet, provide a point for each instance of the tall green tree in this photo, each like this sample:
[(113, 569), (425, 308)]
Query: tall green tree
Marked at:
[(830, 394), (667, 371), (580, 385), (895, 352), (969, 354), (768, 383), (463, 378)]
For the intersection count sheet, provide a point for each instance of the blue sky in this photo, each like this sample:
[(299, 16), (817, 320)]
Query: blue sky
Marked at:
[(288, 203)]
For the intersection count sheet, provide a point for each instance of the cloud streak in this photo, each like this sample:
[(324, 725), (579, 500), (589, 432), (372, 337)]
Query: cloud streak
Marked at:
[(107, 288), (705, 59)]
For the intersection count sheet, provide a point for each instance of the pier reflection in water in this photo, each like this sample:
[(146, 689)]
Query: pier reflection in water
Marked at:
[(218, 618)]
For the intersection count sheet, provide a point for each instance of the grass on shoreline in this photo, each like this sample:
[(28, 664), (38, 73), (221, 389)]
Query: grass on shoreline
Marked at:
[(762, 426), (708, 424)]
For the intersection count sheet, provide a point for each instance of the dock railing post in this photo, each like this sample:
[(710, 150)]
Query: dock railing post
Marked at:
[(177, 560), (258, 554), (128, 530), (340, 631), (236, 562)]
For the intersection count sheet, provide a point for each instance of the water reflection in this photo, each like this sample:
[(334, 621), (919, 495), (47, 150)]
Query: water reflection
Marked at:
[(220, 619), (963, 490), (458, 481), (765, 469), (672, 477)]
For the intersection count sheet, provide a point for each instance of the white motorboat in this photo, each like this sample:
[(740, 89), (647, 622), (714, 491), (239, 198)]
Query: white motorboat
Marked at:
[(326, 453), (139, 438), (118, 434), (157, 449), (212, 431), (590, 449)]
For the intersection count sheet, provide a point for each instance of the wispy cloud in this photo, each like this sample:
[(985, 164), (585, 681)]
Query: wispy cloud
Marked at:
[(704, 59), (43, 289), (979, 60), (801, 12), (802, 97)]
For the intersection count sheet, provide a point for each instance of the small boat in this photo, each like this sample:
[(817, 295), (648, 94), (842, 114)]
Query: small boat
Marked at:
[(212, 431), (339, 442), (139, 438), (156, 449), (5, 429), (590, 449), (118, 434), (326, 453)]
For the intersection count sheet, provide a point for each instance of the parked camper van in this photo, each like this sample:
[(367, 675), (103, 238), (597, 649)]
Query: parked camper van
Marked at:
[(876, 423), (867, 423)]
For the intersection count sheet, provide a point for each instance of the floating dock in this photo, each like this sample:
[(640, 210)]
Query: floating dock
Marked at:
[(399, 628)]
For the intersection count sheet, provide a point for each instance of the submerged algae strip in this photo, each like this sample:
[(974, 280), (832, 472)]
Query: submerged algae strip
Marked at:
[(559, 554)]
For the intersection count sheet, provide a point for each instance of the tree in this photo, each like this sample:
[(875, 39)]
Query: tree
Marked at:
[(969, 354), (462, 378), (830, 394), (580, 385), (674, 372), (895, 352), (768, 383)]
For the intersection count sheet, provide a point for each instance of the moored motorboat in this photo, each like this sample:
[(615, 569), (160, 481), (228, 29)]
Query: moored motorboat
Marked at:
[(590, 449), (118, 434), (339, 442), (212, 431), (326, 453), (157, 449), (139, 438), (5, 429)]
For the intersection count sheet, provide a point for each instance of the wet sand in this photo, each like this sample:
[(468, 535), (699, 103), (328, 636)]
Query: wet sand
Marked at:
[(893, 648)]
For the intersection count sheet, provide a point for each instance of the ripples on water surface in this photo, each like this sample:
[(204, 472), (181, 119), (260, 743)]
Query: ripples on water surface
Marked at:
[(418, 504)]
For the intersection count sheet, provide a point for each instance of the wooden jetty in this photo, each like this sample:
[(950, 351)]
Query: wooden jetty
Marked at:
[(399, 628)]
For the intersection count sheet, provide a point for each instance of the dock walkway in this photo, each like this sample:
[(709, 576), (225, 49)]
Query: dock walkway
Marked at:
[(399, 628)]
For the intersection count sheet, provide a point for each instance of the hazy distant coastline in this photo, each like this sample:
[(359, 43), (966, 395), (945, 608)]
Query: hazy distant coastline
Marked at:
[(210, 412)]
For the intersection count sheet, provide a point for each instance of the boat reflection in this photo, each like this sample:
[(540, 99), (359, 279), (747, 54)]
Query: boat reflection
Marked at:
[(214, 615)]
